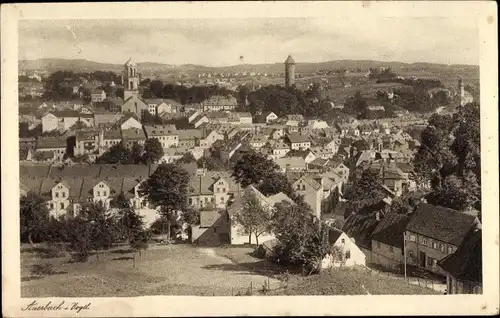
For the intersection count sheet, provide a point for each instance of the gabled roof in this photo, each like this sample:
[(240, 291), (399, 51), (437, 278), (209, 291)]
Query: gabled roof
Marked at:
[(51, 142), (390, 229), (289, 60), (360, 227), (65, 113), (308, 179), (440, 223), (160, 130), (209, 218), (133, 134), (466, 263), (297, 138), (333, 235)]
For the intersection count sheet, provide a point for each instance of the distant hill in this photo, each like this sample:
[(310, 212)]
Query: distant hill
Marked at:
[(80, 65)]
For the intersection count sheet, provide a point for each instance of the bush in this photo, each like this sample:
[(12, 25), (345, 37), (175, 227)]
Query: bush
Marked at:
[(42, 269), (260, 252)]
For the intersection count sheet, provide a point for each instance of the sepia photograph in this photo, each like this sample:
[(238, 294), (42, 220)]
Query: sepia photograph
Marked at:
[(231, 155)]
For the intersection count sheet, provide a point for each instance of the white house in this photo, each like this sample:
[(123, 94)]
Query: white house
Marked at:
[(344, 252)]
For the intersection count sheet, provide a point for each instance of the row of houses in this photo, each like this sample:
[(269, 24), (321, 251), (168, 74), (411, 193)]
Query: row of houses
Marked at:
[(429, 237)]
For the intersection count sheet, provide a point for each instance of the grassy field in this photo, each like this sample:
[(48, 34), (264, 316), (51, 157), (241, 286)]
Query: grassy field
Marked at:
[(191, 270), (163, 270), (351, 281)]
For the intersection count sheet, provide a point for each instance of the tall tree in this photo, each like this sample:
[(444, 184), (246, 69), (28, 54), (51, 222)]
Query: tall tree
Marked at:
[(167, 187), (104, 226), (34, 216), (253, 168), (153, 151), (136, 153), (303, 239), (367, 187), (116, 154), (254, 218), (276, 182)]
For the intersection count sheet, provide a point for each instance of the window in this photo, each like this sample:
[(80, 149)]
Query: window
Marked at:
[(52, 205), (441, 247), (206, 199), (190, 200), (450, 249), (304, 187), (98, 193), (434, 245), (423, 240), (343, 241), (57, 194), (347, 254), (298, 186), (104, 193), (212, 199), (62, 205), (222, 199), (218, 190), (224, 190), (413, 238), (63, 194)]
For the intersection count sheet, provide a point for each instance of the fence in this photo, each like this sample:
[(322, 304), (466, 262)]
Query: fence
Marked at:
[(422, 282)]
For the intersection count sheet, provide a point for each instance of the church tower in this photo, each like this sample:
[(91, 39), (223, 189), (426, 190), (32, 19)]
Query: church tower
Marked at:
[(130, 80), (289, 71)]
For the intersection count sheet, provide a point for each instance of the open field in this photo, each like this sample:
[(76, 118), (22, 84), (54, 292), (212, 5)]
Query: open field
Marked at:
[(190, 270), (351, 281), (163, 270)]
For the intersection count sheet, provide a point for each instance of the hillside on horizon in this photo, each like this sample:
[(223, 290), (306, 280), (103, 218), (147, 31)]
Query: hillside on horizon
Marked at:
[(82, 65)]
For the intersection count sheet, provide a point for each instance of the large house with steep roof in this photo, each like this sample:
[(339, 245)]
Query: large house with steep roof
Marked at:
[(433, 233)]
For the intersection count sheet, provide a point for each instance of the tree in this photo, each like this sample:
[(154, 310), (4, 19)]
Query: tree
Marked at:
[(276, 182), (449, 157), (167, 187), (253, 217), (136, 153), (210, 163), (103, 225), (187, 158), (34, 216), (367, 187), (129, 221), (302, 239), (253, 168), (153, 150), (116, 154), (156, 88), (139, 241)]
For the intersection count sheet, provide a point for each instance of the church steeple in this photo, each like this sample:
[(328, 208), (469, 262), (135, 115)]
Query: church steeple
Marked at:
[(131, 79)]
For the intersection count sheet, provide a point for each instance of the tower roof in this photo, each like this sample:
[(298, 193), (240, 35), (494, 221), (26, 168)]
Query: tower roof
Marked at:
[(289, 60), (129, 62)]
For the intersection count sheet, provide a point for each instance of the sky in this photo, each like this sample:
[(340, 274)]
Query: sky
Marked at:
[(220, 42)]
